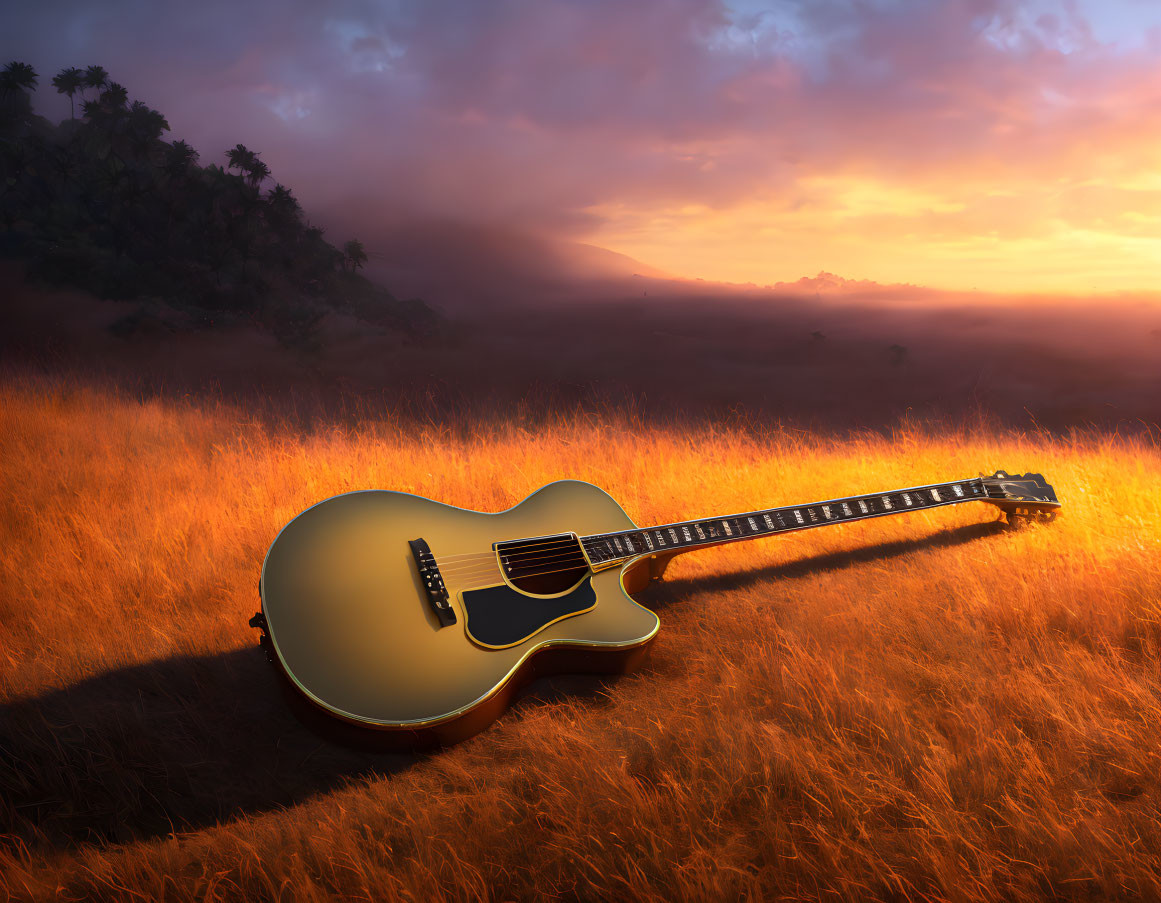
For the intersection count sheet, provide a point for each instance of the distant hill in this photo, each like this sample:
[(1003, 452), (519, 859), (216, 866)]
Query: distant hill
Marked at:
[(101, 202), (463, 266)]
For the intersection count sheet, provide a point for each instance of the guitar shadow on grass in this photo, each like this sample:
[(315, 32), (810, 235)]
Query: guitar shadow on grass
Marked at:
[(191, 741), (175, 744), (669, 591)]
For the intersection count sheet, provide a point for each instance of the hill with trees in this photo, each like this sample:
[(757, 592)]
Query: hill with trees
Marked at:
[(103, 202)]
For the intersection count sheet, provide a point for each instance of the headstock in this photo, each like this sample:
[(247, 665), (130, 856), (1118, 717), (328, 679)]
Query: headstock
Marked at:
[(1023, 495)]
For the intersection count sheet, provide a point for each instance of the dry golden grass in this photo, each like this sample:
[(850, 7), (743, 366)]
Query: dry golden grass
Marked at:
[(915, 707)]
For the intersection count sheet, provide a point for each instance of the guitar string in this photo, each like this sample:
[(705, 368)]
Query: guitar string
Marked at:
[(486, 559), (556, 546), (510, 561), (492, 556), (563, 544), (468, 561), (538, 545), (469, 572), (492, 566), (488, 572), (541, 574), (464, 571), (456, 559), (541, 545)]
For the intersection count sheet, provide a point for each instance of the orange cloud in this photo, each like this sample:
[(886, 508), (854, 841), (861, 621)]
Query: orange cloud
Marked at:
[(1002, 144)]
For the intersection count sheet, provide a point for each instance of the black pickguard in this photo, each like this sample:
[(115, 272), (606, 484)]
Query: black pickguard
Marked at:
[(500, 616)]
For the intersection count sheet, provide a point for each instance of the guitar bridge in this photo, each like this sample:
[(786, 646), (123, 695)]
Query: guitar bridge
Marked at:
[(432, 582)]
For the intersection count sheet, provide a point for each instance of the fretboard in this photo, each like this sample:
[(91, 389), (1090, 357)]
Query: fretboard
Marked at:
[(607, 549)]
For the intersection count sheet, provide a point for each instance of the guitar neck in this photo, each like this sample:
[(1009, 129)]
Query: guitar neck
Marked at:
[(609, 549)]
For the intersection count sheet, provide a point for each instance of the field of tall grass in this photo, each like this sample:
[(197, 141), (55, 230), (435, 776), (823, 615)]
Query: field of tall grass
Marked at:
[(923, 706)]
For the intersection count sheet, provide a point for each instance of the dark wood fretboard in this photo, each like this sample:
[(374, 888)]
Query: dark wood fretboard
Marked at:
[(607, 549)]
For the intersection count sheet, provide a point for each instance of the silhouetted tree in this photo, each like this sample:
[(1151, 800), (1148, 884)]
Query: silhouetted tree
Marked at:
[(180, 158), (115, 97), (17, 80), (240, 157), (96, 78), (108, 205), (69, 81), (354, 254), (18, 77)]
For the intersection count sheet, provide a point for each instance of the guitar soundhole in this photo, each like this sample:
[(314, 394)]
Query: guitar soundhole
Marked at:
[(543, 566)]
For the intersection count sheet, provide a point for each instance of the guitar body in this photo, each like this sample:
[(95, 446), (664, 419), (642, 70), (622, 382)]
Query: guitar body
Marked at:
[(352, 630), (419, 621)]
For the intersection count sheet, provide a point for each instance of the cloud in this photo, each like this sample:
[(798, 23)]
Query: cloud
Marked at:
[(950, 121)]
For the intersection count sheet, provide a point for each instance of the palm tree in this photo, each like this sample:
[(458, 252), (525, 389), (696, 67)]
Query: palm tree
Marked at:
[(69, 81), (257, 172), (283, 210), (179, 158), (96, 77), (353, 251), (145, 125), (282, 200), (240, 157), (18, 77), (115, 96)]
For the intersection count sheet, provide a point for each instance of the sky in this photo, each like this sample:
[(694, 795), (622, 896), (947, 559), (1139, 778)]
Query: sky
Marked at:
[(1000, 145)]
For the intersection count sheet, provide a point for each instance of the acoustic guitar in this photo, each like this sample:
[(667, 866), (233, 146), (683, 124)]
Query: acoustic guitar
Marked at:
[(420, 620)]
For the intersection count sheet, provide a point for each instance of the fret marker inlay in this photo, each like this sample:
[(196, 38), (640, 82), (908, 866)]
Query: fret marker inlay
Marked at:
[(613, 547)]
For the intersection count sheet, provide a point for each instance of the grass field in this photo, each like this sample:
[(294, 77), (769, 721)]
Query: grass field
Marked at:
[(925, 706)]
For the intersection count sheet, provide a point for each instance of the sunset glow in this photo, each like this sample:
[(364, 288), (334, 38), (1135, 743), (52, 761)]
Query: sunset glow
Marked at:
[(1030, 237), (1006, 145)]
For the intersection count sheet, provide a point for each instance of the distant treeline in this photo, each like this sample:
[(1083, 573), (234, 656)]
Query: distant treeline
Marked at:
[(103, 203)]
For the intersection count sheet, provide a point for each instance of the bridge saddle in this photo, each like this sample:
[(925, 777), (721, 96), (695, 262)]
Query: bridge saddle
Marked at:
[(432, 581)]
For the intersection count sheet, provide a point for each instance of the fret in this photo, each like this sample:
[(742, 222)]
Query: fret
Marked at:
[(613, 548)]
